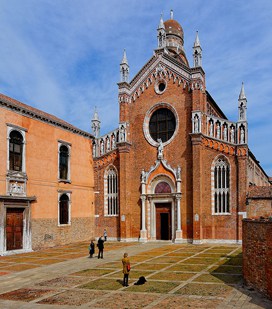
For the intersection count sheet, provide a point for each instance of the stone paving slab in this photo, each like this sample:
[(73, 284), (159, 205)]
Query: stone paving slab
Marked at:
[(178, 276)]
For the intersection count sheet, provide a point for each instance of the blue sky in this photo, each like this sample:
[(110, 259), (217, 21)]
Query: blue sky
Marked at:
[(63, 56)]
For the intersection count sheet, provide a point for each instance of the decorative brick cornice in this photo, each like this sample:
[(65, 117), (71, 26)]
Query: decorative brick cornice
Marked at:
[(105, 160), (124, 147), (161, 66)]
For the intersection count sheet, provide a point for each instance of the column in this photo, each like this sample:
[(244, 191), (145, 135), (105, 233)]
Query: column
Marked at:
[(178, 231), (143, 232)]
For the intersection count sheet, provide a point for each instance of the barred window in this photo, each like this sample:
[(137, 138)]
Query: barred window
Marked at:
[(112, 193), (221, 187)]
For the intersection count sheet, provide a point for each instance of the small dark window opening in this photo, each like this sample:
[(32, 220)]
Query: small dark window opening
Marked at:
[(63, 162), (64, 209), (15, 151), (161, 87), (162, 124)]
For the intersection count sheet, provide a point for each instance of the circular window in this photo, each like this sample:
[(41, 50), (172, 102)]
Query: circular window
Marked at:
[(161, 121), (162, 124), (160, 86)]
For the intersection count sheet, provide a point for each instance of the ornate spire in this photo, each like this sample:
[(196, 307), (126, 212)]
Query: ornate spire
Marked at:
[(171, 14), (197, 42), (124, 68), (161, 24), (242, 104), (197, 52), (96, 124), (161, 34), (124, 60), (242, 92)]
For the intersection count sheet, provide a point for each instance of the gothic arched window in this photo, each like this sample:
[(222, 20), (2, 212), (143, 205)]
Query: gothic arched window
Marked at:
[(111, 193), (63, 162), (64, 213), (221, 186), (15, 151)]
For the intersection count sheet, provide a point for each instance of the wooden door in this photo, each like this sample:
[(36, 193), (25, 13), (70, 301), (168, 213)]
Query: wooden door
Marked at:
[(14, 228), (163, 221)]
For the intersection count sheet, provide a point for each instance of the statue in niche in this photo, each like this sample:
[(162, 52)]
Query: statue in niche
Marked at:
[(218, 131), (196, 124), (143, 176), (211, 128), (232, 135), (242, 135), (242, 112), (108, 144), (160, 149), (102, 147), (122, 135), (225, 133), (113, 141)]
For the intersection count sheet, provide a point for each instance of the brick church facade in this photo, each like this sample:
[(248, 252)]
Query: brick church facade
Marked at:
[(175, 168)]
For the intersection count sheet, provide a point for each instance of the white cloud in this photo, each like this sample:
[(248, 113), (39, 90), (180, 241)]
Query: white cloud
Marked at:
[(63, 56)]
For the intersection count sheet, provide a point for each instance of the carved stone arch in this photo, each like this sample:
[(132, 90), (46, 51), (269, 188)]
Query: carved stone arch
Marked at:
[(158, 179), (220, 156)]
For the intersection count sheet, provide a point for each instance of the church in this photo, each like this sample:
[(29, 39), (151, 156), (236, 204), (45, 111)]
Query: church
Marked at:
[(175, 168)]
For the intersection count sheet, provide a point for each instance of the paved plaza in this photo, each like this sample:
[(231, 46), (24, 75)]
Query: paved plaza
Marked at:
[(178, 276)]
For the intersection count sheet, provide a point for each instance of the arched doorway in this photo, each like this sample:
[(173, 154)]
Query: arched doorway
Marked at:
[(163, 221)]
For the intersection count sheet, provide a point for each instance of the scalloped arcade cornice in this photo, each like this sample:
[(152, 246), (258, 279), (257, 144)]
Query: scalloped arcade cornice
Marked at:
[(159, 66)]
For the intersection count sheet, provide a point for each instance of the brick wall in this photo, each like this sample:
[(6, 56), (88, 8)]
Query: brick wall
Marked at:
[(257, 254)]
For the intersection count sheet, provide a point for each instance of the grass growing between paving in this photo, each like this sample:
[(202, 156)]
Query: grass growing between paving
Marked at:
[(226, 269), (172, 276), (93, 272), (219, 278), (204, 289), (150, 266), (102, 284), (187, 267), (153, 287)]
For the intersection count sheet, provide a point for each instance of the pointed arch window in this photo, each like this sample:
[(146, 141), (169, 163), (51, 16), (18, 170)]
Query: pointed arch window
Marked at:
[(64, 209), (15, 151), (221, 185), (111, 193)]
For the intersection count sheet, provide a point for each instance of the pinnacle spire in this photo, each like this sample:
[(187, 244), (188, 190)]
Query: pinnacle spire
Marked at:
[(171, 14), (161, 24), (124, 60), (95, 116), (96, 124), (242, 92), (197, 42)]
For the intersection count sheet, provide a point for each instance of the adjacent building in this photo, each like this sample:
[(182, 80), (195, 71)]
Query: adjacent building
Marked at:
[(46, 180)]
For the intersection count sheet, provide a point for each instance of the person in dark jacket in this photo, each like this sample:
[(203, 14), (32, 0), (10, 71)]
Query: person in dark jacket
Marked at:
[(91, 248), (100, 245)]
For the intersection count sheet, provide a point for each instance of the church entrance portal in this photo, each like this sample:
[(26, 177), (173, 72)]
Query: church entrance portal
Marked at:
[(163, 221)]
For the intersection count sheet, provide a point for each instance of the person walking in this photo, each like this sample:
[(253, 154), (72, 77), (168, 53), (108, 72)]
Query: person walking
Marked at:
[(91, 249), (100, 245), (105, 235), (126, 268)]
